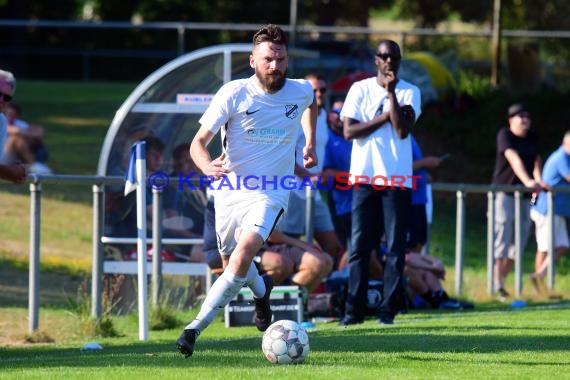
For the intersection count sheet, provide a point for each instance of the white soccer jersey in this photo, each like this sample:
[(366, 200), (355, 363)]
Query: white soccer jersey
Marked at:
[(381, 153), (259, 131)]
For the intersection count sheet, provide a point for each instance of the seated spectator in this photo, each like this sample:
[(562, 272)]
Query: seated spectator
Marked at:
[(182, 211), (15, 172), (25, 142), (282, 257), (183, 207), (424, 274)]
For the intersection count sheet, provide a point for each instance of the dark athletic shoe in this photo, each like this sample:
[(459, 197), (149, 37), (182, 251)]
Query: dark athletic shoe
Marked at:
[(185, 344), (350, 320), (386, 320), (263, 314)]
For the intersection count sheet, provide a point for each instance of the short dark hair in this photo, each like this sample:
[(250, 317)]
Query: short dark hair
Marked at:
[(154, 143), (315, 76), (390, 43), (515, 109), (270, 33), (181, 151)]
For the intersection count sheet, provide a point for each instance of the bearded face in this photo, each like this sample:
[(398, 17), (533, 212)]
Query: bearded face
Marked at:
[(272, 80), (269, 60)]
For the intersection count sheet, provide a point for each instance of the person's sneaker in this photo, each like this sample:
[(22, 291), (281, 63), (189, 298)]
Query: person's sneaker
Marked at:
[(384, 321), (263, 314), (185, 344), (450, 304), (465, 305), (502, 294), (349, 320)]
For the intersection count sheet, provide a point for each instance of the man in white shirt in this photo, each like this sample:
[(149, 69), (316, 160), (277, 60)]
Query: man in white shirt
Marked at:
[(15, 172), (378, 114), (259, 118)]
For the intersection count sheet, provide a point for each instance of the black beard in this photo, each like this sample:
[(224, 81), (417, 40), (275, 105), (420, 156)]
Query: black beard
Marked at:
[(273, 82)]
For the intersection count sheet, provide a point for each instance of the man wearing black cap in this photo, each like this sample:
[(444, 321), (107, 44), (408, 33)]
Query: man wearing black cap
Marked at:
[(517, 162)]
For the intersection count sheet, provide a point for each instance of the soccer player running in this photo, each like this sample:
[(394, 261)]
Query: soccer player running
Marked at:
[(260, 117)]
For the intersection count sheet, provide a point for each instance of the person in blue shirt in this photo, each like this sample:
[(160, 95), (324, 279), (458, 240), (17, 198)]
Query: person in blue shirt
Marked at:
[(418, 223), (337, 160), (556, 172)]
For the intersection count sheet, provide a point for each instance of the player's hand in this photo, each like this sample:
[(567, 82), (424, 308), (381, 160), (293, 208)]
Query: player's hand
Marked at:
[(309, 157), (431, 162), (390, 82), (532, 184), (408, 113), (216, 169)]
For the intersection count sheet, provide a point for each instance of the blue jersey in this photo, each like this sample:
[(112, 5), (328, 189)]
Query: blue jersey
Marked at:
[(554, 173), (337, 156), (419, 191)]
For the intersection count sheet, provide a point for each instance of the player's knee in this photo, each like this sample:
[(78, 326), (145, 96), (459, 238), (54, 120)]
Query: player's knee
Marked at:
[(326, 265)]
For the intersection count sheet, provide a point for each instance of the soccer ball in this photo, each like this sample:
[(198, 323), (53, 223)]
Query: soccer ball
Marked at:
[(285, 342)]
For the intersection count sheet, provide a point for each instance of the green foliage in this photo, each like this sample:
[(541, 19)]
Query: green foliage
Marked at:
[(80, 307), (162, 317), (429, 13), (475, 86)]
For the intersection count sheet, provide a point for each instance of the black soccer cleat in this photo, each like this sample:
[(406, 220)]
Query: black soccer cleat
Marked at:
[(185, 344), (263, 314)]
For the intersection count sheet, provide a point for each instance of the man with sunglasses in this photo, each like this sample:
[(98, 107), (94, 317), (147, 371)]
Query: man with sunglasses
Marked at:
[(517, 163), (14, 172), (378, 114)]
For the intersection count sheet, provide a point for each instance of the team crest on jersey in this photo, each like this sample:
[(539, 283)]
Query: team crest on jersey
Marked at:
[(291, 111)]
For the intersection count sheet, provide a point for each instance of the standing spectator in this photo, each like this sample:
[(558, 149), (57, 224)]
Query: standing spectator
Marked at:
[(378, 114), (260, 116), (15, 172), (293, 222), (556, 172), (336, 162), (517, 162), (418, 221)]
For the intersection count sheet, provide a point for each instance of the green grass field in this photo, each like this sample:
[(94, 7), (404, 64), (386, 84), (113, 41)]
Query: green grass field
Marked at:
[(491, 342), (498, 343)]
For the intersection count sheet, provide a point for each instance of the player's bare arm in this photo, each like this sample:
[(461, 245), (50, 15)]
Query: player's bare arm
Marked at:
[(309, 123), (518, 167), (200, 155), (354, 129), (399, 116)]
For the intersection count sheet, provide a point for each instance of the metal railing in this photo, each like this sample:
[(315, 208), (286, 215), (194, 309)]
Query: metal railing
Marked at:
[(98, 184), (461, 192)]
